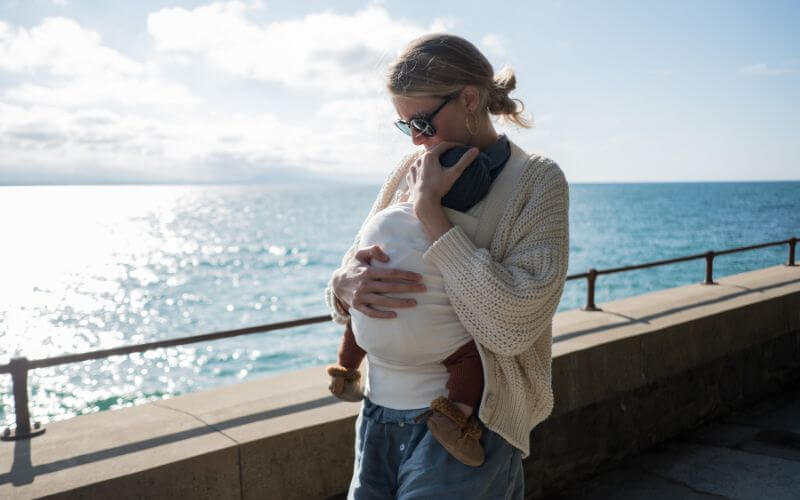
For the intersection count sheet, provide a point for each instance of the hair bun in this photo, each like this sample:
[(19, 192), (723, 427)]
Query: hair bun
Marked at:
[(505, 81), (499, 103)]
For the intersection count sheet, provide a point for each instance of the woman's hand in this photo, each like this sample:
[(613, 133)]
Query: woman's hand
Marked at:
[(429, 181), (362, 285)]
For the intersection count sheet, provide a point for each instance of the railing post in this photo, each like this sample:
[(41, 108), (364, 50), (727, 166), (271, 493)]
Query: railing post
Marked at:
[(709, 268), (590, 279), (792, 243), (19, 381)]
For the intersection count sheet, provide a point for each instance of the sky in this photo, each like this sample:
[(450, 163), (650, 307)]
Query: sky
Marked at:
[(176, 91)]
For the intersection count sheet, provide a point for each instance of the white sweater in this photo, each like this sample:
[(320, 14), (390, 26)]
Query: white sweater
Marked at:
[(504, 286)]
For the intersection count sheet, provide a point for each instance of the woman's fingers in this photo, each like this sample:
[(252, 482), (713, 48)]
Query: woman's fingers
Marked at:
[(363, 285), (370, 292), (376, 282), (378, 299), (441, 147), (374, 313), (451, 174), (366, 254), (388, 275), (366, 306), (395, 287), (465, 160)]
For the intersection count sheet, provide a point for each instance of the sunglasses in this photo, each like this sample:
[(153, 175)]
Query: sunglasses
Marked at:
[(423, 124)]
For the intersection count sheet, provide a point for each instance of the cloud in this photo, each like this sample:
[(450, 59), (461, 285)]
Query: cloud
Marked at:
[(105, 90), (762, 69), (73, 109), (60, 46), (44, 134), (67, 65), (333, 52), (493, 45), (353, 135)]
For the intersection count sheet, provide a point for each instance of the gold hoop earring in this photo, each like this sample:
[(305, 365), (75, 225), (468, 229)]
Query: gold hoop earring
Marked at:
[(466, 122)]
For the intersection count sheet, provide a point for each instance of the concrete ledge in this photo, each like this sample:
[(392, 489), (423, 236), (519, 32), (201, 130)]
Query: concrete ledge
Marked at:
[(267, 438), (636, 373)]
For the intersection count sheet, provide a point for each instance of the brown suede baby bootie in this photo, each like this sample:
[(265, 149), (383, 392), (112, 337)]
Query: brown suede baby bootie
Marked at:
[(459, 435), (345, 383)]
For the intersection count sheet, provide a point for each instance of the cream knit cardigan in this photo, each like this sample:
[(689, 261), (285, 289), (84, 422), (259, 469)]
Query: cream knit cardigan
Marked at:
[(505, 296)]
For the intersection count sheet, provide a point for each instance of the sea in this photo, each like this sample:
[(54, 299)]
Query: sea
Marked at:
[(84, 268)]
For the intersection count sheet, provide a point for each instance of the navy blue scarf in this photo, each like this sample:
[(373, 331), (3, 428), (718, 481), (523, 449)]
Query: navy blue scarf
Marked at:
[(476, 179)]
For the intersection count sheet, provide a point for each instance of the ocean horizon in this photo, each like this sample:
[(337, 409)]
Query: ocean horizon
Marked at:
[(90, 267), (376, 184)]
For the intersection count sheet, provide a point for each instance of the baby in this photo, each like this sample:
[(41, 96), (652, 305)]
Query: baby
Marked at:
[(425, 347)]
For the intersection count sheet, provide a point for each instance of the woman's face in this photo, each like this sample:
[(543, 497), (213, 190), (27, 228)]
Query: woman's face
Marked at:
[(449, 121)]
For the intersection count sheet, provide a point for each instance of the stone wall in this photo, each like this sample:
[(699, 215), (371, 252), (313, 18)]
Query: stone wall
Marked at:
[(575, 444), (683, 363)]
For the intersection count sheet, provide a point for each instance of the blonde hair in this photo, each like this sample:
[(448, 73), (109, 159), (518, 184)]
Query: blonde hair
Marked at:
[(440, 64)]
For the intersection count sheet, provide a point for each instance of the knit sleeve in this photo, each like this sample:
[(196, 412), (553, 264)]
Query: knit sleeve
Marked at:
[(506, 305), (383, 199), (337, 315)]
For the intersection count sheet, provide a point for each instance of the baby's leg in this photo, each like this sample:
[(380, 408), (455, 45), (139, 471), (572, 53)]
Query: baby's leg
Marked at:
[(350, 354), (465, 384), (344, 377)]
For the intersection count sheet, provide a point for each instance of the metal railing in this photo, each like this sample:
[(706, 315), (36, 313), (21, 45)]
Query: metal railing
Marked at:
[(592, 274), (19, 367)]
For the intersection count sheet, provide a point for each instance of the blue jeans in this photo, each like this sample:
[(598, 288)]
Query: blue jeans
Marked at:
[(399, 458)]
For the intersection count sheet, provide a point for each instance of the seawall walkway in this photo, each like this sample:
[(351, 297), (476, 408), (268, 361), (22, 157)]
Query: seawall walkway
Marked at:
[(750, 454)]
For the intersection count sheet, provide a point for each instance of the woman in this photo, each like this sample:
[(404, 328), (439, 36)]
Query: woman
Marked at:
[(503, 273)]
